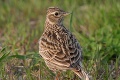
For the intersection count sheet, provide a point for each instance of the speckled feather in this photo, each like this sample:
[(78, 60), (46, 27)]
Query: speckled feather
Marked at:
[(59, 47)]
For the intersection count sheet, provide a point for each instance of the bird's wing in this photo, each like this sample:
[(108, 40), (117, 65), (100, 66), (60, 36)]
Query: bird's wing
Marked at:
[(70, 48), (61, 47), (73, 50)]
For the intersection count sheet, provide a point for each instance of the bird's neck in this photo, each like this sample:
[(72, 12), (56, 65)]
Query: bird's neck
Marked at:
[(51, 26)]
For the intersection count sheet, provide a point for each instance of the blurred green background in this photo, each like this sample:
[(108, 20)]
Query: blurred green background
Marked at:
[(95, 23)]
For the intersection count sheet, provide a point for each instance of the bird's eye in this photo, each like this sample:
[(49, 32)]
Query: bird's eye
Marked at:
[(56, 13)]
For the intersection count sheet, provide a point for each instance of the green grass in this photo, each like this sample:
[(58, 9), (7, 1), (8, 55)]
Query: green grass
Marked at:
[(95, 23)]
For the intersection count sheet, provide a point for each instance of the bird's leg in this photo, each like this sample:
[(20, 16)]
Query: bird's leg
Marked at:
[(57, 77)]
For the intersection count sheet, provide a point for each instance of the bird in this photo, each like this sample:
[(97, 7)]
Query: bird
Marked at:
[(59, 47)]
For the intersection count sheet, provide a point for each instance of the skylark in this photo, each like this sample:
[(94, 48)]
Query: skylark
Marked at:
[(58, 46)]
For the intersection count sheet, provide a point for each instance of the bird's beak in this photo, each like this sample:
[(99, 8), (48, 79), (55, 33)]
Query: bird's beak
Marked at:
[(66, 13)]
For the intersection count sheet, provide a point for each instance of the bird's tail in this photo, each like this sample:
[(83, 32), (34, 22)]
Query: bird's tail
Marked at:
[(81, 73)]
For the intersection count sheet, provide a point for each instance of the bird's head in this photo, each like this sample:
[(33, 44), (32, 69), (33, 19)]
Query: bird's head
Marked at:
[(55, 15)]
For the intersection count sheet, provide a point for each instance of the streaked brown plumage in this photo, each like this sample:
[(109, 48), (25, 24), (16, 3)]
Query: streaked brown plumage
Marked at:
[(58, 47)]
